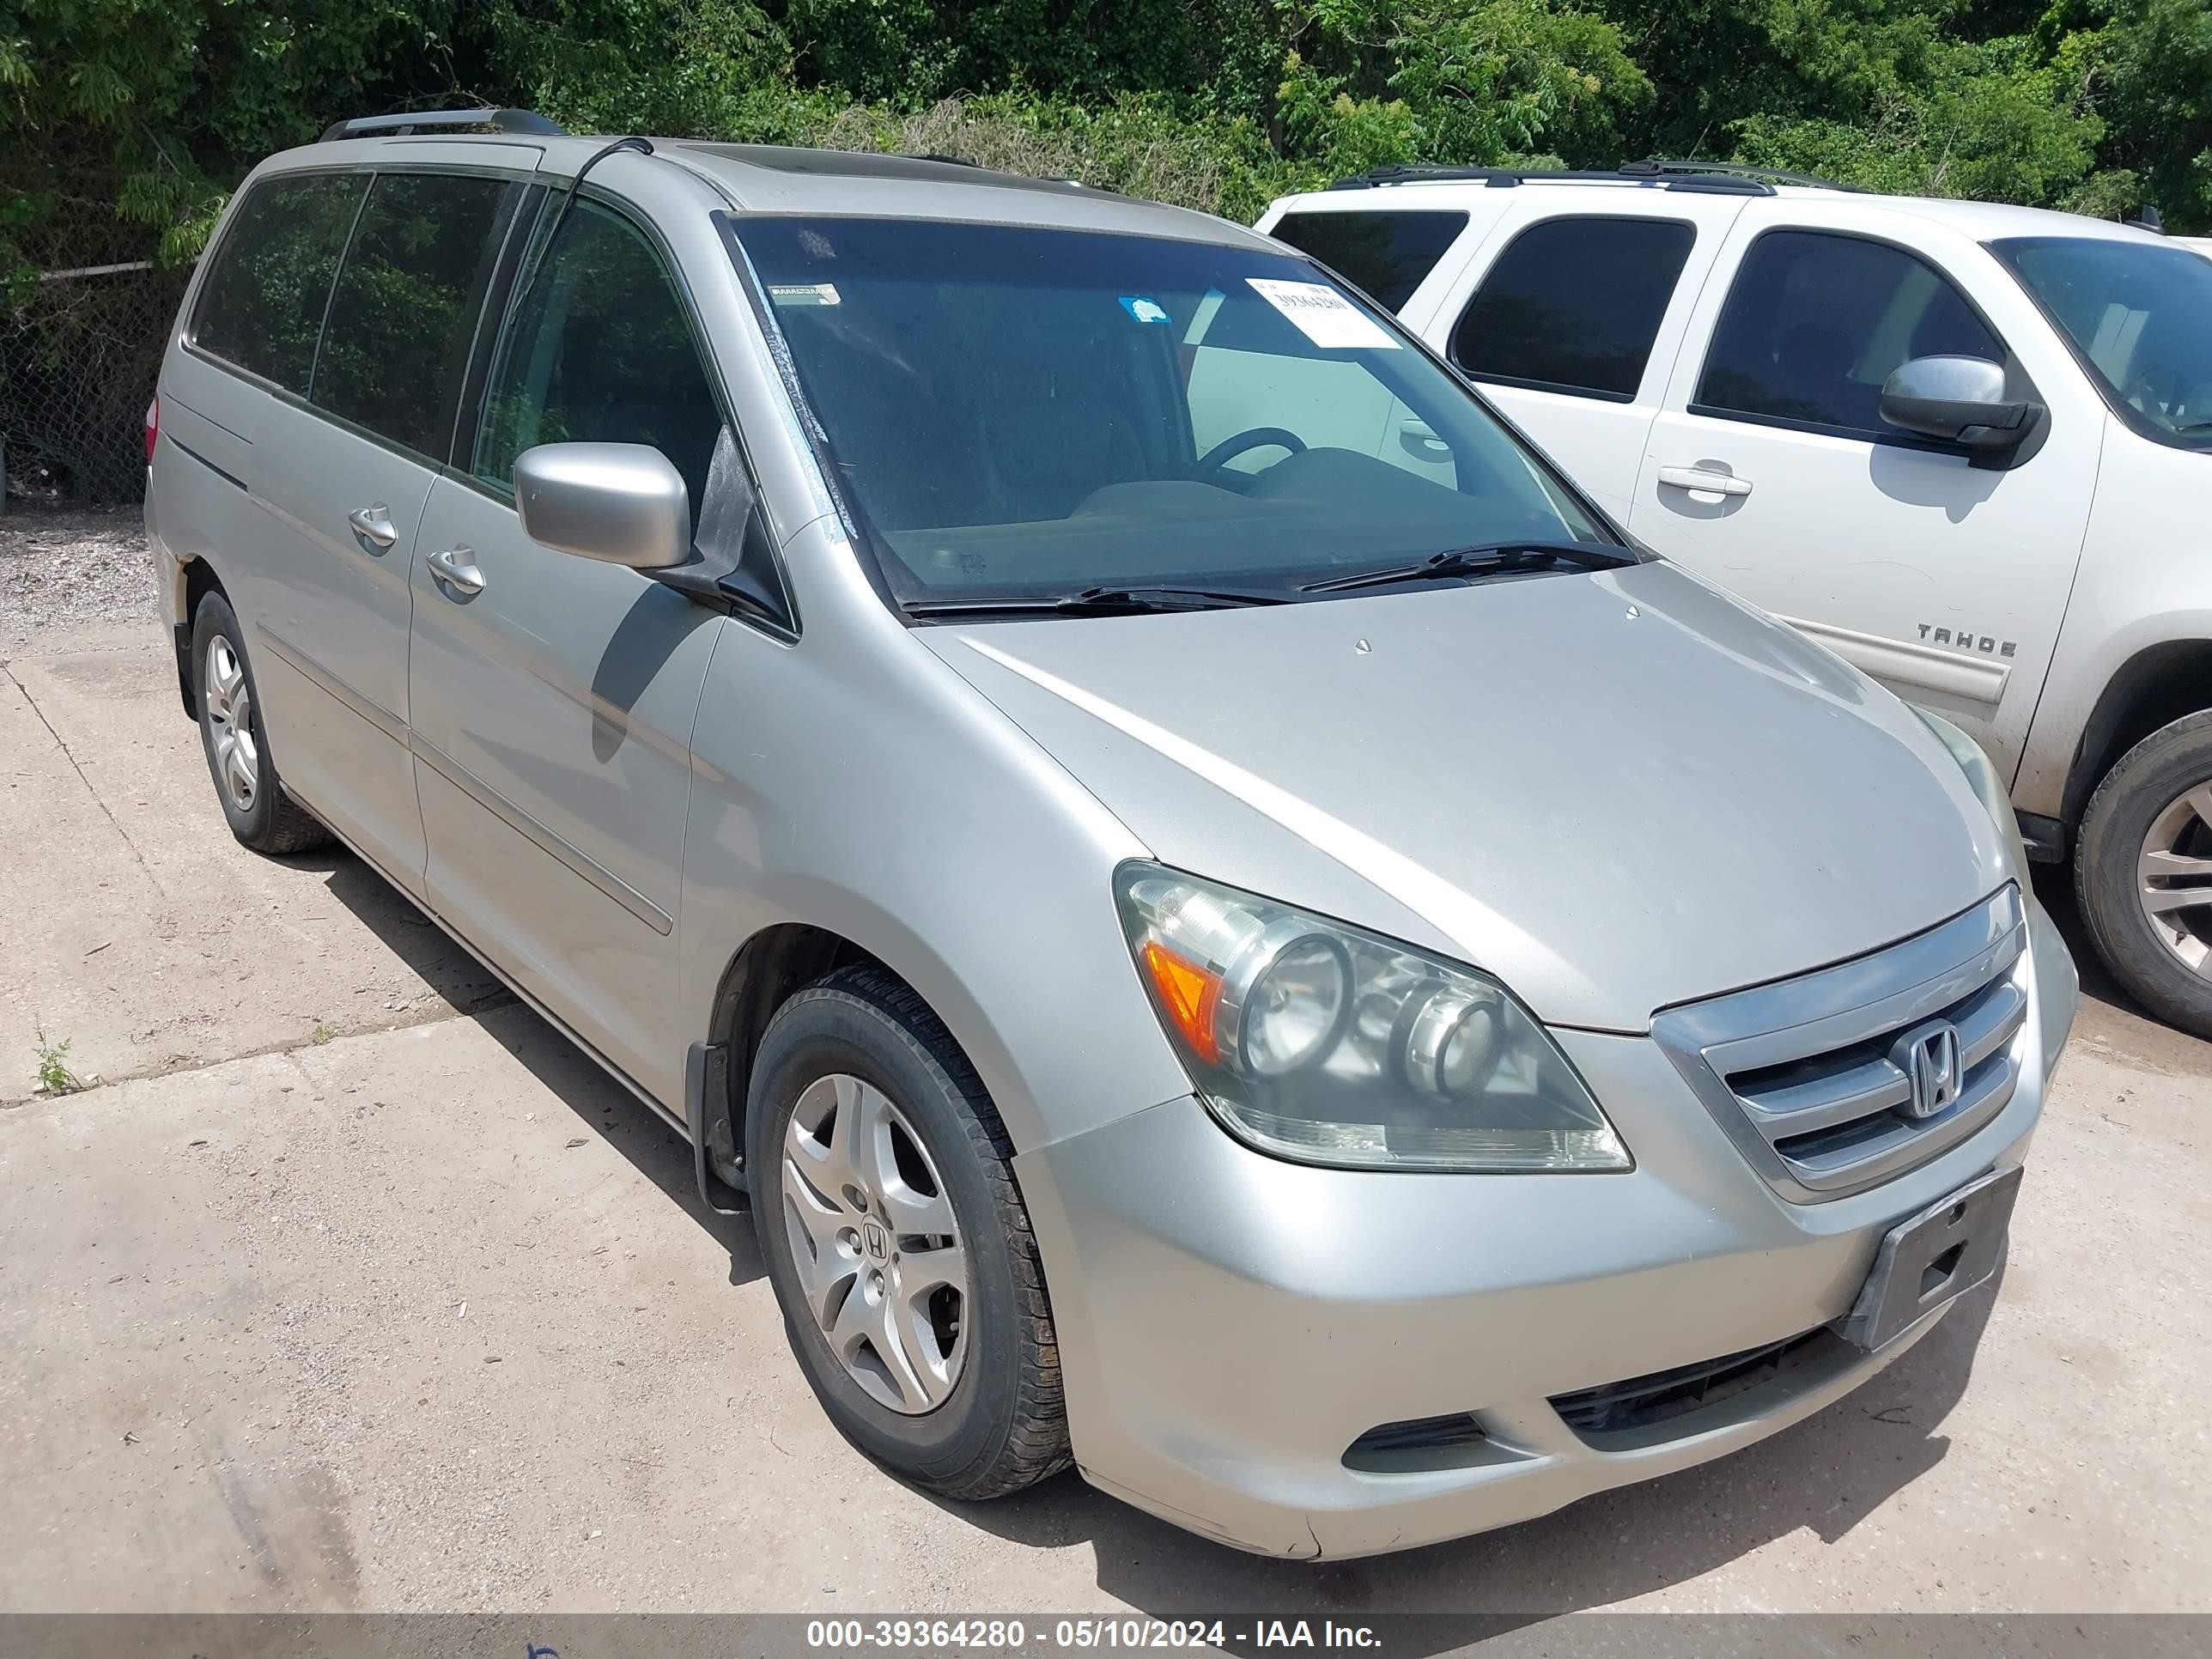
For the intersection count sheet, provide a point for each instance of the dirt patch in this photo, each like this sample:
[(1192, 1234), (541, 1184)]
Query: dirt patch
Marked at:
[(63, 566)]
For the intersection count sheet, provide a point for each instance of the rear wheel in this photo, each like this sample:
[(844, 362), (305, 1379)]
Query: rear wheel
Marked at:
[(259, 812), (2143, 870), (898, 1243)]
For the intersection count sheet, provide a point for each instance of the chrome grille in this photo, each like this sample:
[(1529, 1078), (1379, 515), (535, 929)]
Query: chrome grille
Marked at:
[(1812, 1077)]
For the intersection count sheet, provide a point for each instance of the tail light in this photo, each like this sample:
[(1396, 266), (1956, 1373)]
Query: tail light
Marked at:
[(152, 425)]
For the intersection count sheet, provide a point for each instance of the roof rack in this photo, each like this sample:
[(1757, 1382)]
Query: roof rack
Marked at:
[(1734, 170), (421, 120), (1712, 178)]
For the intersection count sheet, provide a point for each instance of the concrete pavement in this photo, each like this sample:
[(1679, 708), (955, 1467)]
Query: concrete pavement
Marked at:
[(354, 1287)]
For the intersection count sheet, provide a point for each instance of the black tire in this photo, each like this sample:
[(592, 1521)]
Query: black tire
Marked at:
[(1004, 1425), (270, 822), (2156, 773)]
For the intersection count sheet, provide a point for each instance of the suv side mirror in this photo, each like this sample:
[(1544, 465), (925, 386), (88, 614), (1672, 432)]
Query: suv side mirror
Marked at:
[(618, 503), (1961, 400)]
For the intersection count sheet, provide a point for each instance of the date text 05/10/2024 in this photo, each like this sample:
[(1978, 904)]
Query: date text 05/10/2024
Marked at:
[(1003, 1634)]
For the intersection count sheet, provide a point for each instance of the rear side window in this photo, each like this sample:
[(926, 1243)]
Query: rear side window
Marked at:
[(1387, 254), (599, 350), (406, 303), (1574, 305), (1815, 322), (261, 307)]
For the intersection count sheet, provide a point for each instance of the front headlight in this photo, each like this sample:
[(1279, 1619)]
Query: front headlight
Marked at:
[(1319, 1042), (1983, 777)]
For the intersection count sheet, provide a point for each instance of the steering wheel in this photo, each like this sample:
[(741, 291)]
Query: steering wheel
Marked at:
[(1257, 437)]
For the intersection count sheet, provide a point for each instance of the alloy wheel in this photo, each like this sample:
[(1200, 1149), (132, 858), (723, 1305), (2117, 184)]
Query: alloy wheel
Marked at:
[(2174, 878), (876, 1243), (229, 704)]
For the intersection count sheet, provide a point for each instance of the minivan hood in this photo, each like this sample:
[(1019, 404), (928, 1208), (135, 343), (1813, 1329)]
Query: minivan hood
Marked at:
[(1615, 792)]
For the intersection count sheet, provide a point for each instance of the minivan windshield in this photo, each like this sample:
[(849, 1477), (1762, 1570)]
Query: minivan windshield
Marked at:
[(1023, 413), (2139, 316)]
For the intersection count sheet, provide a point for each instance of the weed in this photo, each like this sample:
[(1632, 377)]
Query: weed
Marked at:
[(55, 1077), (322, 1033)]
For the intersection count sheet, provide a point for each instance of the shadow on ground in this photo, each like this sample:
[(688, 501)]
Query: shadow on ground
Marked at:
[(652, 1148), (1823, 1476)]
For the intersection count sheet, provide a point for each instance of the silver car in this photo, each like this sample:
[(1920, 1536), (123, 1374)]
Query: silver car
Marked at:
[(1232, 930)]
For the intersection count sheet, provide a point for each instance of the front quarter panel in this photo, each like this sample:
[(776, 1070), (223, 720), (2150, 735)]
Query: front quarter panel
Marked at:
[(850, 781), (2145, 580)]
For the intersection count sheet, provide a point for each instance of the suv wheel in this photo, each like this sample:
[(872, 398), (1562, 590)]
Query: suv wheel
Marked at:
[(897, 1241), (261, 815), (2143, 869)]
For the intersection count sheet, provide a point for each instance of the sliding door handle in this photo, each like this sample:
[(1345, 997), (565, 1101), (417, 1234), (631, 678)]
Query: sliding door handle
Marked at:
[(373, 524), (456, 568), (1705, 478)]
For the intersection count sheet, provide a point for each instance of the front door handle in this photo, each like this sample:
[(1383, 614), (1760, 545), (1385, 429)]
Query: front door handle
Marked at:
[(373, 524), (1705, 478), (1419, 438), (457, 568)]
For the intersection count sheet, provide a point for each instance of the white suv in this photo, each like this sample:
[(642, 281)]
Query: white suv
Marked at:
[(1967, 446)]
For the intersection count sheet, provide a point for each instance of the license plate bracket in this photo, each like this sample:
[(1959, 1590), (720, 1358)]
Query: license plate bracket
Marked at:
[(1931, 1258)]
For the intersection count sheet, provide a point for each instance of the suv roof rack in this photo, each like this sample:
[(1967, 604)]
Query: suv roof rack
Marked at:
[(499, 120), (1733, 170), (1714, 178)]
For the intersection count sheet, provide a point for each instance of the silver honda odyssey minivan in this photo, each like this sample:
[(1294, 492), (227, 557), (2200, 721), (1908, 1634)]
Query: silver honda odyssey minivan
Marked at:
[(1230, 929)]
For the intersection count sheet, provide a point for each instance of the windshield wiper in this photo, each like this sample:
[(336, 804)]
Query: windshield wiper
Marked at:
[(1487, 559), (1102, 602)]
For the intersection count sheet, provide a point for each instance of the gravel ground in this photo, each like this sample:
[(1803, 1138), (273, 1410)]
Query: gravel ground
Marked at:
[(65, 566)]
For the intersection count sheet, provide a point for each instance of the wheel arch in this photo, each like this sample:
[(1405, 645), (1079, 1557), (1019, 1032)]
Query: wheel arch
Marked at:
[(2158, 685), (199, 581), (778, 961)]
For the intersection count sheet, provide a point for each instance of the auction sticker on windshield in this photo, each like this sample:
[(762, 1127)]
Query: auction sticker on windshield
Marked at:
[(1321, 315)]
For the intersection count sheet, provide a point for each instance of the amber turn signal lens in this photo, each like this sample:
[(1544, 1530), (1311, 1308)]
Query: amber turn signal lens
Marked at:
[(1188, 992)]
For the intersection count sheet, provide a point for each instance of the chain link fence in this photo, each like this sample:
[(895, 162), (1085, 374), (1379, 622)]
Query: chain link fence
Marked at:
[(78, 359)]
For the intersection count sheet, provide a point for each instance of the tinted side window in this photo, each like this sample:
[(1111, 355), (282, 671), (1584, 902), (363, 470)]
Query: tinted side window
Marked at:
[(599, 350), (262, 305), (1815, 322), (1387, 254), (406, 303), (1573, 305)]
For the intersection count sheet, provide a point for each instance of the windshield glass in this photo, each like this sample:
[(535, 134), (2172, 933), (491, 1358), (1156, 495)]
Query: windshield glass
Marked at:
[(2139, 316), (1022, 412)]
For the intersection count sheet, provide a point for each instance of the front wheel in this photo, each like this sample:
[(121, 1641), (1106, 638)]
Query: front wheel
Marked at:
[(2143, 868), (898, 1243)]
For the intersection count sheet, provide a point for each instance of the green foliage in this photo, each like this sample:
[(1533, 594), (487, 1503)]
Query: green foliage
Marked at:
[(1475, 83), (123, 122), (2150, 65), (1992, 125), (53, 1074)]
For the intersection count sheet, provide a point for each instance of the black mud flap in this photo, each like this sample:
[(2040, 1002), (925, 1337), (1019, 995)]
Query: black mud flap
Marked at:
[(722, 1186)]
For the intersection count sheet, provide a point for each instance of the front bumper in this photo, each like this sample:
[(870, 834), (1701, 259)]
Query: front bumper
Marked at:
[(1231, 1324)]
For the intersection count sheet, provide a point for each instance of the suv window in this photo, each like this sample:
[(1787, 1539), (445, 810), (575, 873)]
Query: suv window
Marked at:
[(1815, 322), (599, 350), (1573, 305), (1387, 254), (262, 305), (2139, 316), (406, 303)]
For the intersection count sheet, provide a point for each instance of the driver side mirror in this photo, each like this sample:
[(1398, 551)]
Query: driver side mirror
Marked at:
[(618, 503), (1961, 400)]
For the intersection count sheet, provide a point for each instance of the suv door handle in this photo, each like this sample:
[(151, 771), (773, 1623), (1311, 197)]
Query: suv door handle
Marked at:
[(1705, 478), (1419, 438), (373, 524), (457, 568)]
